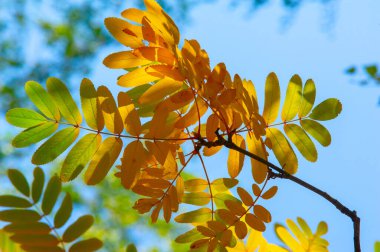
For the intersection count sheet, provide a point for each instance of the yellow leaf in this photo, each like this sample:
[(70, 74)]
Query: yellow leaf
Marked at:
[(90, 105), (211, 151), (302, 141), (197, 110), (136, 78), (195, 185), (156, 54), (126, 59), (287, 238), (196, 198), (292, 99), (162, 71), (124, 32), (103, 160), (133, 158), (272, 99), (317, 130), (256, 146), (196, 216), (254, 222), (282, 150), (308, 98), (262, 213), (110, 111), (159, 90), (236, 159), (211, 126), (129, 115)]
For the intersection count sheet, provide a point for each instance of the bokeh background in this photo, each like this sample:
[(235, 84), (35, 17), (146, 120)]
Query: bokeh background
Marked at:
[(334, 42)]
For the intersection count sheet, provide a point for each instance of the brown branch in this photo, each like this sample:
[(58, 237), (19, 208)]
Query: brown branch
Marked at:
[(285, 175)]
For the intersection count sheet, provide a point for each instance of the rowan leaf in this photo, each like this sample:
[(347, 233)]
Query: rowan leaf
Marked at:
[(287, 238), (28, 228), (19, 181), (136, 78), (131, 248), (221, 198), (91, 244), (272, 98), (123, 32), (79, 156), (196, 216), (52, 191), (256, 146), (302, 141), (241, 229), (103, 160), (307, 99), (19, 215), (270, 193), (134, 155), (129, 115), (292, 99), (34, 134), (64, 212), (79, 227), (159, 90), (196, 198), (317, 131), (262, 213), (24, 118), (43, 240), (282, 150), (37, 184), (223, 184), (235, 158), (245, 196), (14, 201), (43, 101), (90, 105), (326, 110), (125, 59), (195, 185), (55, 145), (111, 114), (254, 222), (64, 101)]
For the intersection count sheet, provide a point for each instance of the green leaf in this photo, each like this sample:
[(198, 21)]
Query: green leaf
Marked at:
[(282, 150), (37, 184), (79, 227), (14, 201), (189, 236), (308, 98), (199, 215), (292, 99), (19, 215), (351, 70), (90, 105), (79, 156), (371, 70), (220, 198), (272, 98), (305, 227), (53, 147), (302, 141), (377, 246), (42, 100), (64, 100), (223, 184), (318, 131), (28, 228), (51, 194), (24, 118), (103, 160), (19, 181), (34, 134), (321, 229), (44, 240), (92, 244), (326, 110), (196, 198), (64, 212)]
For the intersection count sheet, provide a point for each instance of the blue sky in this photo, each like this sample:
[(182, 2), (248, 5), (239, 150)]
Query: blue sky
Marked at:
[(255, 45)]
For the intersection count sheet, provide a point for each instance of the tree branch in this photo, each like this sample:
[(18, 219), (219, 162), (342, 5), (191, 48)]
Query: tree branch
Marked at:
[(280, 173)]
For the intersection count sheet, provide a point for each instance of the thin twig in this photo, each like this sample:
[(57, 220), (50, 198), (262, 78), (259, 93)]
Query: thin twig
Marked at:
[(285, 175)]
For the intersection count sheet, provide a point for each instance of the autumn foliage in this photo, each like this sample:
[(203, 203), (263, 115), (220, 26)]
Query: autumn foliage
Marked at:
[(176, 108)]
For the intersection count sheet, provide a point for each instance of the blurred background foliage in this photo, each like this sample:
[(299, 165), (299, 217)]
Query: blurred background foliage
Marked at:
[(41, 38)]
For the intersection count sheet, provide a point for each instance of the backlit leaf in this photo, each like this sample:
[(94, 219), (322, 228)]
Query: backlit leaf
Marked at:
[(245, 196), (51, 194), (123, 32), (19, 215), (37, 184), (195, 185), (28, 228), (24, 118), (90, 105), (196, 216), (159, 90), (14, 201), (236, 159), (326, 110), (282, 150), (129, 115), (302, 141), (287, 238), (43, 101), (292, 99), (126, 59), (92, 244), (270, 192), (272, 98), (64, 212), (79, 156), (43, 240), (254, 222), (196, 198), (256, 146), (223, 184), (134, 155), (262, 213), (19, 181), (111, 114), (103, 160), (79, 227), (65, 102), (34, 134), (308, 98), (317, 131), (136, 77), (55, 145)]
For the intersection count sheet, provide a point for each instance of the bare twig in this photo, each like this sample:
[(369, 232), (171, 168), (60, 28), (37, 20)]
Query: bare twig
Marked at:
[(280, 173)]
